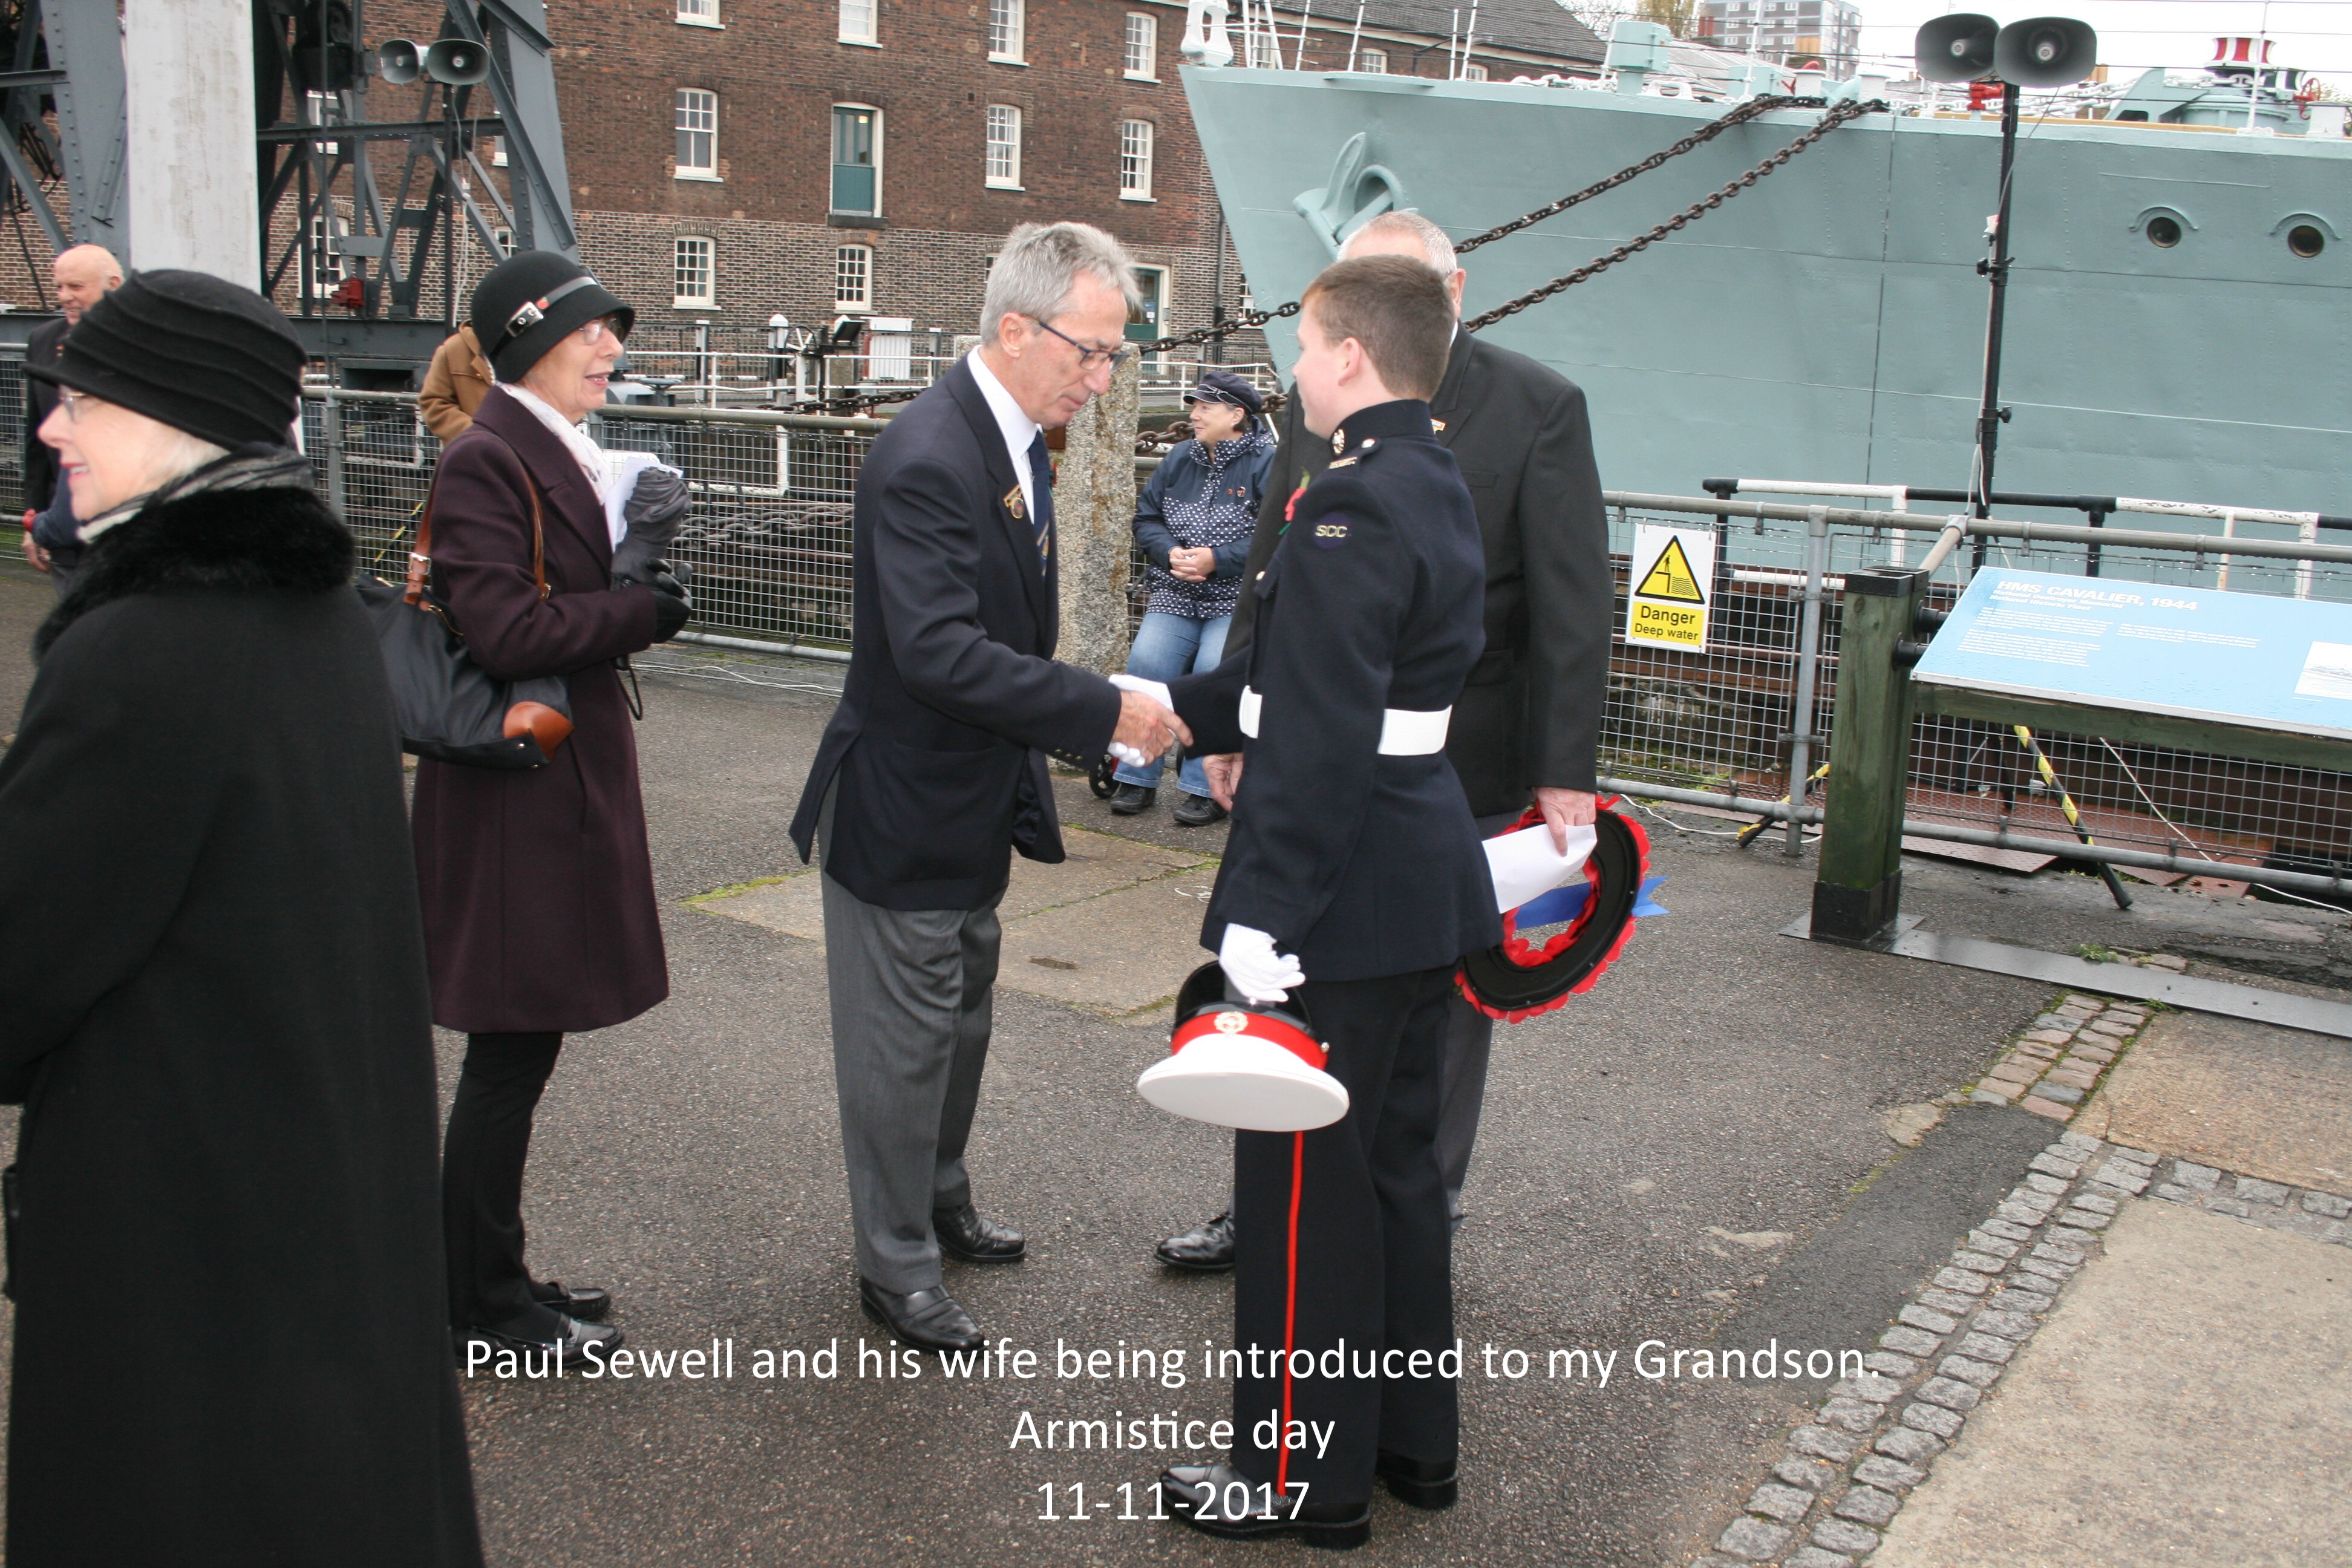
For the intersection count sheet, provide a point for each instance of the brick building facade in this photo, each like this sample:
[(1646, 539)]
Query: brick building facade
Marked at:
[(734, 158)]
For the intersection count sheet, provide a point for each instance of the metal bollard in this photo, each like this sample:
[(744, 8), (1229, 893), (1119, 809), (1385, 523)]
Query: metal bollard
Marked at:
[(1858, 887)]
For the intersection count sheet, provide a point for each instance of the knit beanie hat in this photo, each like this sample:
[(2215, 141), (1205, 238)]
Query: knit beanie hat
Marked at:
[(195, 352), (524, 305)]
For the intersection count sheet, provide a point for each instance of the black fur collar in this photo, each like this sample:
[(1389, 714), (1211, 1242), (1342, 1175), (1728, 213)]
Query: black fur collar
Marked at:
[(213, 541)]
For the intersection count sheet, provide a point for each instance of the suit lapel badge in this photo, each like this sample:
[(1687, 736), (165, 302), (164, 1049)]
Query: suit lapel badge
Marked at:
[(1012, 504), (1438, 425)]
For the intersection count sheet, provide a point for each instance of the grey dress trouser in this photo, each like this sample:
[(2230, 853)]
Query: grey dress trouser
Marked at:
[(910, 992)]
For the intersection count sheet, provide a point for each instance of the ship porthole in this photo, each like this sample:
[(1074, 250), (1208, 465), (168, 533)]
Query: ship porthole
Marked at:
[(2305, 240), (2163, 231)]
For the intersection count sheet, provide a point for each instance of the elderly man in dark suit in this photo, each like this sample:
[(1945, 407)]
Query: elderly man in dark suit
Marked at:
[(82, 275), (933, 769), (1528, 723)]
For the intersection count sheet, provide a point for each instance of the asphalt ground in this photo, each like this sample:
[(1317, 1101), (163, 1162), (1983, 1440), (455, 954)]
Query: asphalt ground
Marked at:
[(1686, 1140)]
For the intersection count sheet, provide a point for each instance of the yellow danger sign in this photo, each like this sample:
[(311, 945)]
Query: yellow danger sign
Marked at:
[(1672, 580)]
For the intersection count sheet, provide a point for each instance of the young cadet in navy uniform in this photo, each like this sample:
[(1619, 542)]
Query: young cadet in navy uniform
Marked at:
[(1353, 849)]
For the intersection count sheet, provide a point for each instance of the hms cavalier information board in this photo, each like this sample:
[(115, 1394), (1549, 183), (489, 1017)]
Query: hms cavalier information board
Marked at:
[(2193, 653)]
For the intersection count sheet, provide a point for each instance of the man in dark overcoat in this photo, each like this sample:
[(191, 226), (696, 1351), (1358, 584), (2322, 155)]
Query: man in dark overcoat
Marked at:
[(933, 769), (231, 1343), (81, 274), (1529, 724)]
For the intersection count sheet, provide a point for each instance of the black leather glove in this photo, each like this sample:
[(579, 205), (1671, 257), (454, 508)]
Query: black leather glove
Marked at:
[(673, 608)]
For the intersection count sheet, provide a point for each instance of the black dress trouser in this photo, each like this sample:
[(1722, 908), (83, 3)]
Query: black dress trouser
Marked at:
[(481, 1181), (1345, 1259)]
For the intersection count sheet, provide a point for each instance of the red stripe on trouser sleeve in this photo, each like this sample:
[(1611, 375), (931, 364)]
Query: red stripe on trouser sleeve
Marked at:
[(1290, 1314)]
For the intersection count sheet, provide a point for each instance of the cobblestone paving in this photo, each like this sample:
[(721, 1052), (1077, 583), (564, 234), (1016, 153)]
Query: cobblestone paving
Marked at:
[(1831, 1494)]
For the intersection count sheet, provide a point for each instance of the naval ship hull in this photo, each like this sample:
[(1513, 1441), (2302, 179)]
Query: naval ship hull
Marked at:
[(1828, 322)]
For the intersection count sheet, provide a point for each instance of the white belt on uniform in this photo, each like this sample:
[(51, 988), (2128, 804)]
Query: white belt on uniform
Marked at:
[(1404, 731)]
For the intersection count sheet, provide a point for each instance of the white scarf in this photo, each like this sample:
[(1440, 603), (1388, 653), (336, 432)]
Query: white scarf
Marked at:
[(590, 456)]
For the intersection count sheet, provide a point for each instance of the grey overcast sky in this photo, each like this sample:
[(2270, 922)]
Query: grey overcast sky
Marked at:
[(2135, 34)]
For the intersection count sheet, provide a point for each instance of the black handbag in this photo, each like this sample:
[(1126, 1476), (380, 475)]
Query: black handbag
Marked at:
[(446, 706)]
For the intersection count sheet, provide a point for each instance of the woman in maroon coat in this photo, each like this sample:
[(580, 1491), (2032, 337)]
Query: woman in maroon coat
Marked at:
[(537, 889)]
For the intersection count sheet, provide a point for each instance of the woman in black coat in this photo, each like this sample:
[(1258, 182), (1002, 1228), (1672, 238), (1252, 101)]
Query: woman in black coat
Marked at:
[(230, 1343), (538, 888)]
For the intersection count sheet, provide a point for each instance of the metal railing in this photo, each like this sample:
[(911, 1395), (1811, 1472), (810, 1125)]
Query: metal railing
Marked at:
[(770, 544), (734, 378)]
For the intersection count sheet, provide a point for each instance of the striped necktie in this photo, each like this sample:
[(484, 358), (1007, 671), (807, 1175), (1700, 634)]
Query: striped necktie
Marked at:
[(1041, 515)]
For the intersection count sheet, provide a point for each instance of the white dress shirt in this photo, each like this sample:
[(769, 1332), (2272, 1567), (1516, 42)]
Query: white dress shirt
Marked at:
[(1020, 431)]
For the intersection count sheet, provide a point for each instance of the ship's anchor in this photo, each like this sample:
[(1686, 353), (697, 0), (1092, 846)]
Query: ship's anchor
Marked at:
[(1358, 192)]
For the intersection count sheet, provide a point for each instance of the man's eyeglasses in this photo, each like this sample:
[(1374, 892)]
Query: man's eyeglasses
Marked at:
[(1087, 358)]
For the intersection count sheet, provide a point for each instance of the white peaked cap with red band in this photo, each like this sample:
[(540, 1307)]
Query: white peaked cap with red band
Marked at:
[(1240, 1065)]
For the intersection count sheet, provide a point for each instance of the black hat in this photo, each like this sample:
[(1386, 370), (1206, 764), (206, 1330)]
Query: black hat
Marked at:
[(196, 352), (524, 305), (1224, 387)]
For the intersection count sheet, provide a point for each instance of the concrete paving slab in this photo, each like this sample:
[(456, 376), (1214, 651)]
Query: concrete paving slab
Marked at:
[(2235, 1095), (1113, 929), (2189, 1403)]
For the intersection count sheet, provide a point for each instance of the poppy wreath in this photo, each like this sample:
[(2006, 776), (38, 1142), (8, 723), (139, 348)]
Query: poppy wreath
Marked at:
[(1521, 977)]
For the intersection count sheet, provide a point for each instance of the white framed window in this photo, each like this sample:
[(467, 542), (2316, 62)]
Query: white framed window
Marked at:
[(697, 134), (1006, 25), (859, 20), (320, 258), (504, 239), (1473, 73), (698, 13), (1135, 159), (1372, 62), (856, 160), (498, 145), (852, 278), (1142, 47), (1004, 147), (694, 264), (1264, 49)]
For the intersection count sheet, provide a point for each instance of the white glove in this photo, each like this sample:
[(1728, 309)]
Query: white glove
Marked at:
[(1255, 970), (1155, 689)]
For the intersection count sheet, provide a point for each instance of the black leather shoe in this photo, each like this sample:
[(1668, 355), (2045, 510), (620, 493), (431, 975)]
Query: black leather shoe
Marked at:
[(928, 1319), (1417, 1481), (1206, 1248), (1128, 799), (583, 1302), (571, 1336), (1216, 1500), (968, 1237), (1198, 811)]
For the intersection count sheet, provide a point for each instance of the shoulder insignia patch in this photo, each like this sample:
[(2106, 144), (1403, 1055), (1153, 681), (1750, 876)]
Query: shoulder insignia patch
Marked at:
[(1329, 535), (1343, 462)]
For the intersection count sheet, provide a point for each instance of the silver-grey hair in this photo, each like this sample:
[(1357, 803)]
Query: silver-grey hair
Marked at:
[(1432, 238), (1041, 263)]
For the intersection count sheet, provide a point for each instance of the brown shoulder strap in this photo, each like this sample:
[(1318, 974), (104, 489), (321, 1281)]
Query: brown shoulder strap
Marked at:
[(420, 557)]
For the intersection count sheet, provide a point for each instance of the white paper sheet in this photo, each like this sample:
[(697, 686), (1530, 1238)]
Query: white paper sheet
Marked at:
[(1526, 866)]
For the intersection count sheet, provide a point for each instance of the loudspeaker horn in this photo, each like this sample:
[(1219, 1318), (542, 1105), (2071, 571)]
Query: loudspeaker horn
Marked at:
[(1958, 47), (459, 62), (399, 61), (2045, 51)]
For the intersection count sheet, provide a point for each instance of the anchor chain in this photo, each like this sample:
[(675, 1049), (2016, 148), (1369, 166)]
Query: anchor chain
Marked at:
[(1699, 138), (1837, 116)]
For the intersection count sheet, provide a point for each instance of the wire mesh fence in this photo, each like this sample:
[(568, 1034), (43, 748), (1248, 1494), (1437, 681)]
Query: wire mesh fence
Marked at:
[(769, 544)]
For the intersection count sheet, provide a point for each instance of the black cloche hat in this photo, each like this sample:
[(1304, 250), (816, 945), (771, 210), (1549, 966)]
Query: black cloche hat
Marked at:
[(524, 305), (195, 352)]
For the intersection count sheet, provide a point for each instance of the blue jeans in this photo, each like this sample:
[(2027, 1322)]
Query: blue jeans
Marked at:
[(1166, 647)]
